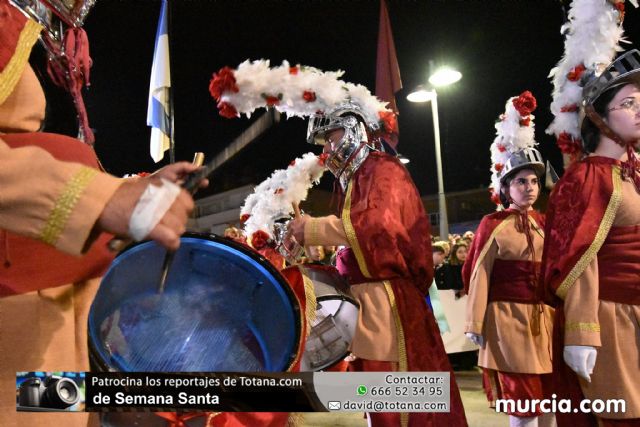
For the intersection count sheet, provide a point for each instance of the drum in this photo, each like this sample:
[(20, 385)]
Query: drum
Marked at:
[(336, 318), (224, 308)]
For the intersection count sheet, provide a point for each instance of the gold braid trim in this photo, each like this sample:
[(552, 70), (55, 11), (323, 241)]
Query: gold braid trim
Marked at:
[(296, 419), (487, 245), (403, 365), (582, 327), (601, 235), (310, 296), (13, 71), (314, 227), (351, 234), (65, 204)]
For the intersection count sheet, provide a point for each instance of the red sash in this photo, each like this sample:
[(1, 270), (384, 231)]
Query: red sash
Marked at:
[(619, 266), (513, 281)]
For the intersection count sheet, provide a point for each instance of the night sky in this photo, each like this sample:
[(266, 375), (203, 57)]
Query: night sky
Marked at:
[(501, 48)]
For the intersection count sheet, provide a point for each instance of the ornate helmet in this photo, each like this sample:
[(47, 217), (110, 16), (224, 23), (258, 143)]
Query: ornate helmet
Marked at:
[(304, 91), (593, 33), (513, 148)]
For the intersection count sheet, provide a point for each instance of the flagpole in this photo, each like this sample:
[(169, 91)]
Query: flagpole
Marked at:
[(172, 154)]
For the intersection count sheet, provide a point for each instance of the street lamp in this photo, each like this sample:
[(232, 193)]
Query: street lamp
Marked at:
[(442, 77)]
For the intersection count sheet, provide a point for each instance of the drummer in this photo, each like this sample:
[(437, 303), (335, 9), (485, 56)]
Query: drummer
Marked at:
[(52, 197)]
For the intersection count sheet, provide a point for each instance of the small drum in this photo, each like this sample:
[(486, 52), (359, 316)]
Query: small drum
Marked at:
[(224, 308), (336, 318)]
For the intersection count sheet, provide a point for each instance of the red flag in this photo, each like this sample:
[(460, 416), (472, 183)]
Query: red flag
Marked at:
[(387, 71)]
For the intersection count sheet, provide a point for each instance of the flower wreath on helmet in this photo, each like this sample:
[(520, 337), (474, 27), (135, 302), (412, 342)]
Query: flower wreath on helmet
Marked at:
[(299, 91), (593, 33), (514, 146), (274, 198)]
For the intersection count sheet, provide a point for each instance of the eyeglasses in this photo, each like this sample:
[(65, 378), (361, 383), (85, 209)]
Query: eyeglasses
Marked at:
[(631, 104)]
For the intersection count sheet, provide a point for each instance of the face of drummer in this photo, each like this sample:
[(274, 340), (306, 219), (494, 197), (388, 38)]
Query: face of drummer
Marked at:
[(332, 140)]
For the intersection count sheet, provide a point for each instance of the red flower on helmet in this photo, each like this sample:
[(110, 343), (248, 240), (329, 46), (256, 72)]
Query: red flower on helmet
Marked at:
[(525, 122), (309, 96), (576, 72), (498, 167), (293, 163), (259, 239), (525, 103), (495, 197), (568, 144), (322, 158), (244, 217), (389, 121), (569, 108), (272, 100), (227, 110), (223, 81), (294, 70), (501, 148)]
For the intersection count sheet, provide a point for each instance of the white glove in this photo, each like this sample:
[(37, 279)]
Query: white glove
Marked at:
[(581, 359), (477, 339)]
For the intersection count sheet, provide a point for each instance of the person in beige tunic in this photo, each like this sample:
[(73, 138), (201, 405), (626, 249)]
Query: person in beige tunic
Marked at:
[(505, 314), (591, 262), (65, 205)]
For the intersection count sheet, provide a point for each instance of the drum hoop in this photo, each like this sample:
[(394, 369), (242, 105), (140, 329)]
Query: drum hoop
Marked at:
[(95, 354)]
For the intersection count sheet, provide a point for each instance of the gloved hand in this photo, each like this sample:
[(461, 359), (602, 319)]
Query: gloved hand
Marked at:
[(477, 339), (581, 359)]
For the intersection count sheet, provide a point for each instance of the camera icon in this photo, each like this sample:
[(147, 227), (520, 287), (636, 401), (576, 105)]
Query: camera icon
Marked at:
[(53, 392)]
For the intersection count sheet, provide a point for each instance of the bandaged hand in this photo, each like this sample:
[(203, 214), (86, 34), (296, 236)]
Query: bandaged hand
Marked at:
[(477, 339), (581, 359)]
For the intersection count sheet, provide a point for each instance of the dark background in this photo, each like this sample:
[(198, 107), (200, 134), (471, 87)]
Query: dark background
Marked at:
[(501, 47)]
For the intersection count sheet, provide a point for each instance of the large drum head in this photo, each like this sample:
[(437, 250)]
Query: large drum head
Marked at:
[(224, 308)]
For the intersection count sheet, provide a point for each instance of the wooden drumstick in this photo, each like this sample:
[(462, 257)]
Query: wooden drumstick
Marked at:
[(296, 210)]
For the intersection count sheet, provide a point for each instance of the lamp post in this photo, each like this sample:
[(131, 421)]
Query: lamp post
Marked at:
[(442, 77)]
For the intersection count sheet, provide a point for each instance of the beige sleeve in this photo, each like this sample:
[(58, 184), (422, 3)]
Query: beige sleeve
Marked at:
[(325, 231), (581, 309), (50, 200), (479, 291)]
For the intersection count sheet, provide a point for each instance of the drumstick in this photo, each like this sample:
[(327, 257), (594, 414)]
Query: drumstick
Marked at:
[(198, 159), (296, 210)]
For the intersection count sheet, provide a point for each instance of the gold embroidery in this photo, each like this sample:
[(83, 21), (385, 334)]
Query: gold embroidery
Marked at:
[(402, 349), (296, 419), (351, 234), (582, 327), (601, 235), (65, 204), (11, 74), (313, 231), (310, 296)]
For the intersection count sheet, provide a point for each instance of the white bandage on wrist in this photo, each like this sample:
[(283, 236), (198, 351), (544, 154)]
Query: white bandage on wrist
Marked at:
[(152, 205)]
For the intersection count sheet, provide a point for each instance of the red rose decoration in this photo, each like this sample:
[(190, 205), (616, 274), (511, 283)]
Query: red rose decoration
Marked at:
[(223, 81), (575, 73), (293, 163), (501, 148), (259, 239), (294, 70), (143, 174), (272, 100), (569, 108), (498, 167), (227, 110), (525, 103), (389, 121), (279, 191), (322, 158), (619, 6), (244, 217), (495, 197), (309, 96), (525, 122), (568, 144)]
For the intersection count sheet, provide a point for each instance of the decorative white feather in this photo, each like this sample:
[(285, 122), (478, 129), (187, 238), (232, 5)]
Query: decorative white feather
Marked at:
[(274, 197)]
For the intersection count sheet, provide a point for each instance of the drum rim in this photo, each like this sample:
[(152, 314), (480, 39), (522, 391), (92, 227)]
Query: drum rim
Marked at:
[(94, 353)]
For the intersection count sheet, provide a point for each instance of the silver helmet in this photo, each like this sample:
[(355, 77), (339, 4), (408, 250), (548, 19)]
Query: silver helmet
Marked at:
[(353, 148), (528, 158)]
